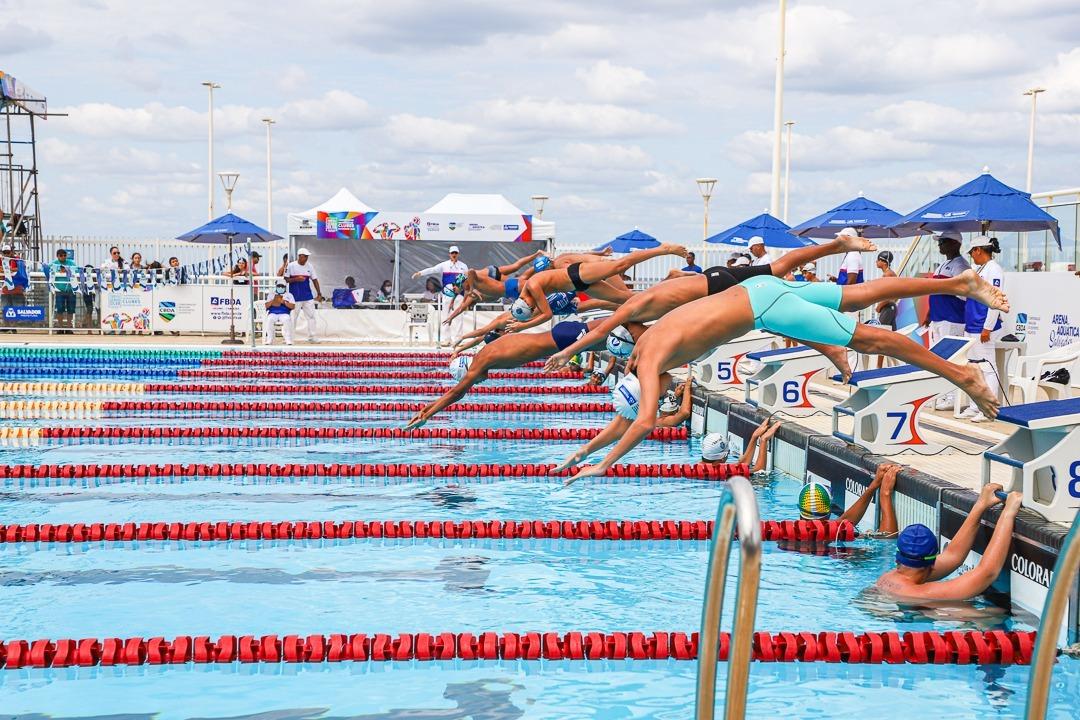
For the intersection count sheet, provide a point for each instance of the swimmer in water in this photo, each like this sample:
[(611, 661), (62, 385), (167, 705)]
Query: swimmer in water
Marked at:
[(815, 502), (714, 448), (920, 567)]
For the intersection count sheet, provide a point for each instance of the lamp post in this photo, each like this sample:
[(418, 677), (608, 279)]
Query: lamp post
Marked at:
[(210, 87), (538, 205), (228, 181), (778, 111), (1034, 93), (705, 186), (269, 177), (787, 169)]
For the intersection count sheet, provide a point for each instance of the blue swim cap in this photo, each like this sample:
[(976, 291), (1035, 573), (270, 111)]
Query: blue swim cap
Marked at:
[(916, 546), (492, 336), (562, 303), (541, 263)]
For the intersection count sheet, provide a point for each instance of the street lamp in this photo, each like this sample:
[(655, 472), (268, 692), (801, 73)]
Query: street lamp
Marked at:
[(538, 204), (787, 169), (210, 87), (705, 186), (228, 181), (269, 178), (1034, 93), (778, 111)]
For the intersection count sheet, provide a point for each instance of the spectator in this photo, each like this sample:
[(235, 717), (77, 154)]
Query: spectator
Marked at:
[(13, 278), (385, 294), (284, 265), (61, 270), (136, 262), (89, 291), (946, 316), (983, 324), (886, 309), (450, 270), (851, 271), (111, 269), (757, 249), (732, 258), (691, 265), (741, 261), (357, 292), (300, 274), (432, 290), (254, 262), (809, 272), (174, 274), (239, 273), (279, 309)]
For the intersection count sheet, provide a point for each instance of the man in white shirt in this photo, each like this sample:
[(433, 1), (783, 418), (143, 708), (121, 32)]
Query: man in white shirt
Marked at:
[(279, 309), (300, 274), (946, 316), (450, 270), (851, 270), (757, 249)]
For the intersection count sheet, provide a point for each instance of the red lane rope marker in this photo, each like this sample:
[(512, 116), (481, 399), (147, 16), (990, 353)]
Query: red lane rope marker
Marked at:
[(664, 434), (619, 530), (698, 471), (375, 390), (363, 375), (262, 408), (261, 361), (337, 355), (996, 647)]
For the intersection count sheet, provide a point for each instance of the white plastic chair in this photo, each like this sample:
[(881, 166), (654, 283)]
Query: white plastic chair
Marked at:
[(1030, 368), (416, 318)]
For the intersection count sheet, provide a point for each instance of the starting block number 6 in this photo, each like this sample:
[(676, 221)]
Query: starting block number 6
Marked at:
[(790, 392)]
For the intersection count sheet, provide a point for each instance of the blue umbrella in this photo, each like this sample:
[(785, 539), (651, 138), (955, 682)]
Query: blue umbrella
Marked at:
[(871, 219), (981, 205), (628, 242), (775, 232)]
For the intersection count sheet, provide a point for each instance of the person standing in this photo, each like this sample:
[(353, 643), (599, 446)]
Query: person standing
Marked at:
[(13, 279), (61, 271), (757, 249), (112, 270), (300, 274), (983, 324), (946, 316), (851, 270), (450, 270), (279, 308), (691, 264)]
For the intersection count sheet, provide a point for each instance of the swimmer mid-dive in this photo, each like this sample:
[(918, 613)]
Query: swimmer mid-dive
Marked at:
[(809, 312), (507, 352), (494, 281), (561, 303)]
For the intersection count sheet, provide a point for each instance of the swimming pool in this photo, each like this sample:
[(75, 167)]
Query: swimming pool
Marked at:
[(433, 585)]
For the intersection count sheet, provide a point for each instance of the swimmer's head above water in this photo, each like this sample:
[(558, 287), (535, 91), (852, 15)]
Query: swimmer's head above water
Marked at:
[(815, 501), (714, 448), (916, 547)]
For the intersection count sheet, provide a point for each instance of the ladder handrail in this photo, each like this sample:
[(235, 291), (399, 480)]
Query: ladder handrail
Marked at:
[(1042, 662), (738, 507)]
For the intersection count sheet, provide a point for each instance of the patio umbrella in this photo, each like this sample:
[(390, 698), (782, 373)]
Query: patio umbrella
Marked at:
[(628, 242), (223, 230), (775, 232), (870, 219), (980, 205)]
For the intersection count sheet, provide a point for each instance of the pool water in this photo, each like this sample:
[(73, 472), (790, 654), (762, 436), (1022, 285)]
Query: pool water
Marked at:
[(156, 588)]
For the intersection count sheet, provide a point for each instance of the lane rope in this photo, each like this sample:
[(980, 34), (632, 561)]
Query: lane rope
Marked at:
[(320, 363), (376, 389), (364, 375)]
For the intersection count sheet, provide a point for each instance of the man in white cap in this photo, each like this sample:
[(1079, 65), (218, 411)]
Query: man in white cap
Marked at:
[(946, 316), (851, 270), (809, 272), (453, 273), (757, 249), (300, 274)]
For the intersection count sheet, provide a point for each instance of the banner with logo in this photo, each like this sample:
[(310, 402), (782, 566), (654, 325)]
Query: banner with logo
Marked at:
[(218, 307), (446, 228), (178, 308), (24, 313), (341, 225), (127, 310), (1045, 309)]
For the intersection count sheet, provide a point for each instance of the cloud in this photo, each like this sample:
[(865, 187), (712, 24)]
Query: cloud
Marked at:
[(19, 38), (1062, 82), (607, 82), (923, 121), (414, 132), (836, 148), (552, 117), (576, 39), (293, 80)]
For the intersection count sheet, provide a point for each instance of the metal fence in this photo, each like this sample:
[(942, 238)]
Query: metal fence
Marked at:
[(86, 250)]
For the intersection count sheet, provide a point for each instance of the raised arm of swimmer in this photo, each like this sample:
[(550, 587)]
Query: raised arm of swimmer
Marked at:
[(501, 321), (472, 377)]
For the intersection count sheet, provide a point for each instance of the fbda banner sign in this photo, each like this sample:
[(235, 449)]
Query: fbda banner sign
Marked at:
[(174, 308), (423, 226)]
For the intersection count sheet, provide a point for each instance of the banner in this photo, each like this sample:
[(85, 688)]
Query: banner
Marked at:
[(127, 310), (178, 308), (341, 225), (447, 228), (216, 307), (24, 313), (1045, 309)]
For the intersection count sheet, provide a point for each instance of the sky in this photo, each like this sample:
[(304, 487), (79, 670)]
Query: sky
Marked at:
[(610, 108)]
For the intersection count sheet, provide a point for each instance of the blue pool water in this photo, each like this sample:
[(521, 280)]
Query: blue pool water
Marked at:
[(434, 585)]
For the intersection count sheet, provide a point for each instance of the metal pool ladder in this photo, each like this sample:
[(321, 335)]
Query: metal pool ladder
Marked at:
[(1042, 664), (738, 507)]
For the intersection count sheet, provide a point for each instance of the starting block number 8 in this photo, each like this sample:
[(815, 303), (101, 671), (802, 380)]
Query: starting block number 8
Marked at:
[(1074, 479)]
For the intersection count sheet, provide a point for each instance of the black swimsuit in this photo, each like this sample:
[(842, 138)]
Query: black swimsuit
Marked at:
[(721, 278), (574, 271)]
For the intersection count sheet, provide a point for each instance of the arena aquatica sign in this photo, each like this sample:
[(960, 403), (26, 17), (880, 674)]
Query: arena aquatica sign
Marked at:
[(423, 226)]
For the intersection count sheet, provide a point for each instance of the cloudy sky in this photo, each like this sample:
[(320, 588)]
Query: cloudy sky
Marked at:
[(610, 108)]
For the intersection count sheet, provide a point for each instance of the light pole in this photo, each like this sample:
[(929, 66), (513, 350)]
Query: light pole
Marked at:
[(210, 87), (1034, 93), (778, 111), (228, 181), (787, 169), (705, 186), (269, 178), (538, 205)]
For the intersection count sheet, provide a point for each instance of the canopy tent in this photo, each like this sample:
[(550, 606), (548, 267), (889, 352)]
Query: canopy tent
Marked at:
[(870, 219), (303, 223), (628, 242), (490, 204)]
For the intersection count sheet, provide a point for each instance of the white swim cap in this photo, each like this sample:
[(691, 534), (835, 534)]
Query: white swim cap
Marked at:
[(459, 366), (669, 404), (714, 447), (520, 310), (626, 395), (620, 342)]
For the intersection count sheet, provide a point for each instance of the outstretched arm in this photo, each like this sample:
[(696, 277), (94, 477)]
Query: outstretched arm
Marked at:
[(857, 511), (686, 407), (466, 303), (762, 458), (502, 320), (623, 313), (541, 314), (952, 557), (451, 396), (518, 264), (463, 345), (608, 435)]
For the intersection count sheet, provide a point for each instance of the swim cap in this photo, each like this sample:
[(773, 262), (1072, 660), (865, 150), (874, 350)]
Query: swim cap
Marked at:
[(520, 310), (626, 395), (916, 546), (448, 290), (815, 501), (459, 366), (541, 263), (669, 404), (562, 303), (620, 342), (714, 447)]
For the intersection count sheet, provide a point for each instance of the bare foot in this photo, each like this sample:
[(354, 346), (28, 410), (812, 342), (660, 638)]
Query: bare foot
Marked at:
[(848, 243), (674, 250), (978, 289), (838, 356), (979, 392), (607, 251)]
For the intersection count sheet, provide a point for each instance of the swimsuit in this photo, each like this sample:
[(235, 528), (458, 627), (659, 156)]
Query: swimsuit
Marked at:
[(721, 278), (804, 311), (567, 333), (493, 272), (512, 288), (574, 272)]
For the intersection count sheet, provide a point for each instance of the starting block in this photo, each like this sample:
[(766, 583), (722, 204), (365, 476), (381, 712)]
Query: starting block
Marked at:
[(886, 403), (719, 369), (1044, 454), (783, 380)]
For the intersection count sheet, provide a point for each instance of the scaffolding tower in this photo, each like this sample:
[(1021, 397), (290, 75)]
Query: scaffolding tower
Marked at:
[(20, 222)]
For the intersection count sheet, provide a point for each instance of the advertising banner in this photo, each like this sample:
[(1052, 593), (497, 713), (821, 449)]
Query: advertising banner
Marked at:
[(1045, 309), (447, 228), (178, 308), (341, 225), (24, 313), (127, 310), (218, 307)]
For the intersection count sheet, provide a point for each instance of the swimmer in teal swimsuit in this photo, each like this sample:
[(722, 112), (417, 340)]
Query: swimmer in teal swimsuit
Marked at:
[(808, 312)]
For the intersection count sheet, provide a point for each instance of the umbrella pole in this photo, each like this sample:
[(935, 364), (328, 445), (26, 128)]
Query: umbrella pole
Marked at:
[(231, 340)]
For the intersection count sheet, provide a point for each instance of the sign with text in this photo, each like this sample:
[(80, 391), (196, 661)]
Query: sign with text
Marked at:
[(219, 307), (178, 308), (447, 228), (126, 310), (24, 313), (341, 225), (1045, 309)]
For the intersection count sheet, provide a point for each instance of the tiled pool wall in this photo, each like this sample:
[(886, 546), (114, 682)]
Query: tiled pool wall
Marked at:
[(919, 498)]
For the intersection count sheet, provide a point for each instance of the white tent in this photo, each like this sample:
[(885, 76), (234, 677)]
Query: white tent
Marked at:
[(303, 223), (480, 204)]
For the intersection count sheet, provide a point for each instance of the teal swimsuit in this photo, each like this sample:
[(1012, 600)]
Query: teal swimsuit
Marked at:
[(805, 311)]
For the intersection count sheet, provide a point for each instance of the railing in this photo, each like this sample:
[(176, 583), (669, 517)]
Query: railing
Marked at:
[(738, 507), (1042, 665)]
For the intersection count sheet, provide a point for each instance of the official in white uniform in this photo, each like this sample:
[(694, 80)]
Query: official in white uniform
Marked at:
[(757, 249), (946, 316), (279, 307), (851, 270), (300, 274), (983, 324), (450, 270)]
